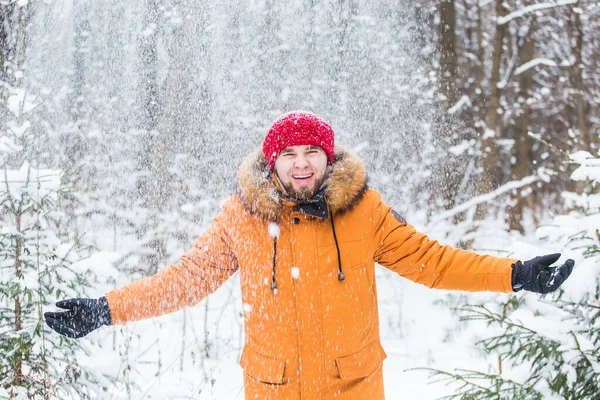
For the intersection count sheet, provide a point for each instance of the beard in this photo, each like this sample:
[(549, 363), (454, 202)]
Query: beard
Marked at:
[(305, 193)]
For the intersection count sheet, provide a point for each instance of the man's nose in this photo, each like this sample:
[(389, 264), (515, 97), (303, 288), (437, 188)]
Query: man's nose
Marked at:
[(301, 161)]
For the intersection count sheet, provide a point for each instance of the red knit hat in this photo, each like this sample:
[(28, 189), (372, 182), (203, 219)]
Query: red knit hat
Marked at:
[(297, 128)]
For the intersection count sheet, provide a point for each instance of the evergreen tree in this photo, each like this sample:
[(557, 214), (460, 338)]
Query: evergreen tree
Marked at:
[(546, 347), (36, 268)]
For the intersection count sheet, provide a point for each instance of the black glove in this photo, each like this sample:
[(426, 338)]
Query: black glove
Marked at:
[(84, 316), (538, 276)]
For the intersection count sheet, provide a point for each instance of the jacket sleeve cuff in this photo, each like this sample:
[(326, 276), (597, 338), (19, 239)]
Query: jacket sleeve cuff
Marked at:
[(502, 282), (117, 317)]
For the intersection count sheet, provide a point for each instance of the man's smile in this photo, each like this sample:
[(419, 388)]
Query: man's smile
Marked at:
[(302, 177)]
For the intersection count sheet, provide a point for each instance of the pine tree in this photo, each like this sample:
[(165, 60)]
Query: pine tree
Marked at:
[(556, 339), (36, 268)]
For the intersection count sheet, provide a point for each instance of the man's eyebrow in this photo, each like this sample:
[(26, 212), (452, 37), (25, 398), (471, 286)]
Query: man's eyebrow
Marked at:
[(286, 150)]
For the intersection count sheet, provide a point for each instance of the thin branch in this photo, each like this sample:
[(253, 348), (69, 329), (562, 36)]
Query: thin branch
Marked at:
[(580, 350), (507, 187), (530, 9), (553, 147)]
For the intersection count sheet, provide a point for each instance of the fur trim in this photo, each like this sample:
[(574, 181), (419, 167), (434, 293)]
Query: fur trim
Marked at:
[(256, 191), (346, 184)]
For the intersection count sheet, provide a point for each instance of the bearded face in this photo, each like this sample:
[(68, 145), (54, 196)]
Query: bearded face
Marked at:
[(301, 170)]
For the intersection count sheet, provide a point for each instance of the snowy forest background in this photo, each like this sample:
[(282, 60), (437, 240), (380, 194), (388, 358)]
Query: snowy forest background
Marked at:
[(122, 124)]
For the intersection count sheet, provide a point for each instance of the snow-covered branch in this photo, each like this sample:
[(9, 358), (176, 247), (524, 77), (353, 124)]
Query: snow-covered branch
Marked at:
[(507, 187), (464, 101), (532, 8), (511, 65), (533, 63)]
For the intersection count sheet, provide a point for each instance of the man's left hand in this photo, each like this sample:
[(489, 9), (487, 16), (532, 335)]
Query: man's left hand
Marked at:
[(538, 275)]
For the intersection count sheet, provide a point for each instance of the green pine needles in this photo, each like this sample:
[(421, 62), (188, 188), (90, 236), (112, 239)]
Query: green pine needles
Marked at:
[(563, 364), (35, 270), (546, 347)]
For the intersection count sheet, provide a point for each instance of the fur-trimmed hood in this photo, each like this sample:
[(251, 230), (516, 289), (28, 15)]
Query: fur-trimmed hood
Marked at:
[(346, 184)]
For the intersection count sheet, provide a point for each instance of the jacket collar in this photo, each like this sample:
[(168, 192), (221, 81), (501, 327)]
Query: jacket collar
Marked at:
[(344, 187), (317, 206)]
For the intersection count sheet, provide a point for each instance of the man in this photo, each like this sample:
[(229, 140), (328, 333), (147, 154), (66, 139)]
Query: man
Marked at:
[(305, 233)]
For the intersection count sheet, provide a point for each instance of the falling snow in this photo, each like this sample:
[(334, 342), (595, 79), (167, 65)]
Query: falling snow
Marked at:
[(295, 272), (274, 229), (148, 112)]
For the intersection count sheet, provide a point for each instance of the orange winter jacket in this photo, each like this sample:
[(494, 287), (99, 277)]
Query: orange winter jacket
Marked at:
[(308, 334)]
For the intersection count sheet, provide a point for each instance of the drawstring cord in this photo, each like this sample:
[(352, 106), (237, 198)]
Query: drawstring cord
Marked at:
[(341, 275), (273, 281)]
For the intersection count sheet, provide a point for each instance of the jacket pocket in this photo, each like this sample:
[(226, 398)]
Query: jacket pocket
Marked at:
[(262, 368), (362, 363)]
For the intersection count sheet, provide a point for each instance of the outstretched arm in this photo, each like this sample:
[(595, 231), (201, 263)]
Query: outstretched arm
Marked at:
[(414, 256), (198, 273)]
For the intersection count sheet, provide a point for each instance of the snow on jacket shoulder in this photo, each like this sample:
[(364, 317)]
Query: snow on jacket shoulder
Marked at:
[(315, 336)]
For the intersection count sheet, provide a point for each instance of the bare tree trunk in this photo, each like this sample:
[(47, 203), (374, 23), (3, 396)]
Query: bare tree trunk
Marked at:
[(4, 18), (311, 65), (488, 162), (149, 60), (174, 96), (72, 143), (521, 168), (448, 56), (448, 179), (81, 50), (480, 75), (7, 42), (594, 112), (348, 10), (270, 76), (148, 92), (23, 17), (585, 134), (578, 70)]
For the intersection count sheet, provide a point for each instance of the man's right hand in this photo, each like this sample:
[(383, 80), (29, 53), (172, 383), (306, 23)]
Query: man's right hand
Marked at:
[(83, 316)]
